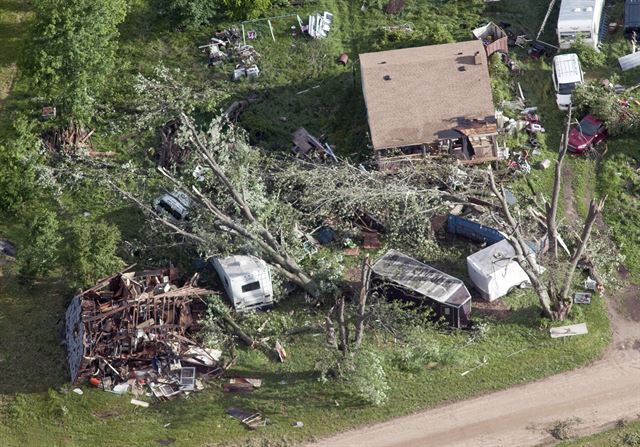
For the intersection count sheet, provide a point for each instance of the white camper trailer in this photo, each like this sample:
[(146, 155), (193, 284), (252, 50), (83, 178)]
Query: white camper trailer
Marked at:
[(247, 281), (579, 17), (494, 270)]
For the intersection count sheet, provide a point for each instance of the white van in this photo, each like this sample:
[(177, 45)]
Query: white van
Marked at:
[(567, 75), (247, 281)]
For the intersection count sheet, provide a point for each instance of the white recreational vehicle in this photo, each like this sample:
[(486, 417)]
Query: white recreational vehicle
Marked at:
[(247, 281), (579, 17)]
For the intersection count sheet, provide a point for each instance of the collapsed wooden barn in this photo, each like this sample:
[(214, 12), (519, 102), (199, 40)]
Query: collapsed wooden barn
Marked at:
[(402, 277), (137, 326)]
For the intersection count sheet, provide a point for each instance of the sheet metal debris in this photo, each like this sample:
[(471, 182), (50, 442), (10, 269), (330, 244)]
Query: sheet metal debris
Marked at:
[(251, 420), (134, 330), (567, 331)]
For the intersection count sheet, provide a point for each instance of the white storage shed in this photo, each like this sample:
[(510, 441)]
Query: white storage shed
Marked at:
[(494, 270), (579, 17), (247, 281)]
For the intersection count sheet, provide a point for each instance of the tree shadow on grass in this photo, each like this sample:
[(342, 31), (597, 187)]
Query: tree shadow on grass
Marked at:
[(31, 357)]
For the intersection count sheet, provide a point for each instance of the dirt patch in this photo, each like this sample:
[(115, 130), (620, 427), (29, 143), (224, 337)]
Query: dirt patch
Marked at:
[(496, 309), (631, 302), (6, 81), (570, 211)]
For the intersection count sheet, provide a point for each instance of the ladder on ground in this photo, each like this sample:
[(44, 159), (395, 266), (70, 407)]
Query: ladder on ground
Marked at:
[(546, 17)]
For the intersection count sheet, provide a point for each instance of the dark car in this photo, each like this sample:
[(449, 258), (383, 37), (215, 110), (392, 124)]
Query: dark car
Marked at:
[(586, 134)]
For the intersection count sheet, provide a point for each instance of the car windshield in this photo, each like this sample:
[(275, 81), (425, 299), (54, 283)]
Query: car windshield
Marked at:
[(567, 88), (588, 127)]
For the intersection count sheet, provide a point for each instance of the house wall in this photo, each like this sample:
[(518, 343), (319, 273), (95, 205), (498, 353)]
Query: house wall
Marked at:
[(74, 337)]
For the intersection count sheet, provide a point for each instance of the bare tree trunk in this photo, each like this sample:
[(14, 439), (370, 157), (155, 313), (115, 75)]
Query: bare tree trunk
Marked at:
[(330, 330), (342, 326), (552, 209), (595, 208), (524, 258), (362, 302)]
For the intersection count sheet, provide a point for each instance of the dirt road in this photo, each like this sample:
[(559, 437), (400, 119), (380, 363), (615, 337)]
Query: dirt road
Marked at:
[(596, 396)]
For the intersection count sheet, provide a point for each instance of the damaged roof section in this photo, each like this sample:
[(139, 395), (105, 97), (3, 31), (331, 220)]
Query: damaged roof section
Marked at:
[(413, 95), (137, 326)]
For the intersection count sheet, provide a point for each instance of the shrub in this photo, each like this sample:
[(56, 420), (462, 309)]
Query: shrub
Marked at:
[(589, 57), (366, 379)]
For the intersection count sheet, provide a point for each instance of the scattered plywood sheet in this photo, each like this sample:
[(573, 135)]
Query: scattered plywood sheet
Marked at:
[(567, 331)]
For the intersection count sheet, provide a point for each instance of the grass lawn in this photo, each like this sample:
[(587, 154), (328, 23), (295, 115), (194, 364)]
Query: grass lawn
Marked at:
[(36, 407), (623, 435)]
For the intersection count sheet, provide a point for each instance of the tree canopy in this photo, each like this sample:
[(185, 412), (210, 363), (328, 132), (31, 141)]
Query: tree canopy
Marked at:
[(72, 52)]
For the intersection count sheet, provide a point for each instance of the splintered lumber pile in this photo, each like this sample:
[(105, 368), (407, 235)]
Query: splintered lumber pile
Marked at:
[(135, 329), (70, 141), (170, 152)]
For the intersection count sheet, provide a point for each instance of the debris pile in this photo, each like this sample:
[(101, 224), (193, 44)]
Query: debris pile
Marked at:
[(70, 141), (227, 46), (170, 152), (246, 58), (308, 147), (134, 330), (319, 25)]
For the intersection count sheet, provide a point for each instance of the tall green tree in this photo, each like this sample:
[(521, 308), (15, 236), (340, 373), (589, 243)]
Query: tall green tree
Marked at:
[(39, 254), (72, 52), (90, 251), (245, 9), (193, 13), (19, 166)]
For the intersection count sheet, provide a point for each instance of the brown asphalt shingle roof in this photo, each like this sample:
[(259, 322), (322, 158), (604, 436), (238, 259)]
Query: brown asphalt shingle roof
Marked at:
[(426, 94)]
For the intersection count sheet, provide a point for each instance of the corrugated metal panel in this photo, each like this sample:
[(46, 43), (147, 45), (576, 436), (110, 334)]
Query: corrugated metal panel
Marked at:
[(629, 61)]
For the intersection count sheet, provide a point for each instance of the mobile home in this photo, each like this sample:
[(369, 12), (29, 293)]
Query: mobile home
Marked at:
[(399, 276), (579, 17), (247, 281)]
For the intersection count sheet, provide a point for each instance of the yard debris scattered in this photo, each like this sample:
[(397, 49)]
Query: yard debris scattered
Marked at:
[(308, 147), (582, 298), (140, 403), (48, 113), (567, 331), (8, 248), (134, 329), (319, 25), (242, 385), (252, 420)]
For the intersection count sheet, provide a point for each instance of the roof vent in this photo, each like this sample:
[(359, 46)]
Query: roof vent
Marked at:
[(387, 78), (589, 8), (477, 58), (382, 62), (462, 68), (576, 10)]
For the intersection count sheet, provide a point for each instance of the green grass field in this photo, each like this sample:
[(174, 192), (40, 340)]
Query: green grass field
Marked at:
[(625, 434), (36, 407)]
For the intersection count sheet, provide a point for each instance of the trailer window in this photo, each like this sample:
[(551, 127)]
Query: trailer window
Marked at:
[(251, 287)]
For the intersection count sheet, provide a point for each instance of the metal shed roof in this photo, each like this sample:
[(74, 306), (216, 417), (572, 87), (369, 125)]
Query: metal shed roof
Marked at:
[(416, 276)]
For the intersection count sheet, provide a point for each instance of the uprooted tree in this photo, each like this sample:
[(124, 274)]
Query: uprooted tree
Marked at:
[(554, 296), (235, 209)]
